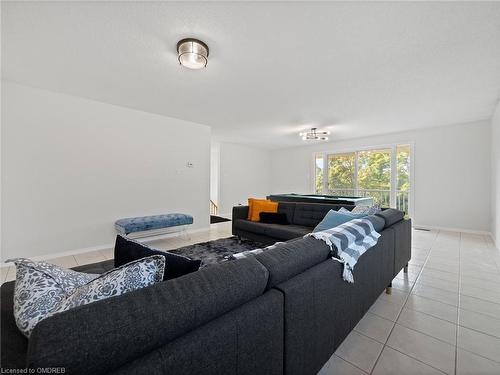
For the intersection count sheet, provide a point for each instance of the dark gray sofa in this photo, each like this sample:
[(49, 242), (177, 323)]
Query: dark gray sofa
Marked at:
[(216, 321), (284, 311), (303, 217)]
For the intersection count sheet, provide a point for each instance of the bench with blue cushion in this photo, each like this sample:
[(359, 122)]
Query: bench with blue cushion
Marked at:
[(146, 223)]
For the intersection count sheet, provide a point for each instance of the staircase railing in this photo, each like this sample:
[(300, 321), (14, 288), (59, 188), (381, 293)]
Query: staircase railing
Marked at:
[(213, 208)]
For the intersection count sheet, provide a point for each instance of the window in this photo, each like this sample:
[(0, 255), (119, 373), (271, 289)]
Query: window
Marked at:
[(341, 174), (381, 173), (403, 177), (318, 164), (374, 176)]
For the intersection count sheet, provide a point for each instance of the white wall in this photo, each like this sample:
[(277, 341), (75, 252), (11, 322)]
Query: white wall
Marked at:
[(244, 173), (495, 175), (71, 167), (452, 172), (214, 172)]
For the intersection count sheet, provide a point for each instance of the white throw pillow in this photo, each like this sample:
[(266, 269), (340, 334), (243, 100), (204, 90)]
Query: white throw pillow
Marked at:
[(43, 289), (368, 210)]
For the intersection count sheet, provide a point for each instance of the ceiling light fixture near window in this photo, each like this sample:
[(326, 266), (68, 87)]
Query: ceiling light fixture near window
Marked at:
[(193, 53), (314, 134)]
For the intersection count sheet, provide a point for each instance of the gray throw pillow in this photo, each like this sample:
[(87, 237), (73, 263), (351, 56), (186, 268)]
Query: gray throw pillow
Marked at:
[(367, 210), (43, 289)]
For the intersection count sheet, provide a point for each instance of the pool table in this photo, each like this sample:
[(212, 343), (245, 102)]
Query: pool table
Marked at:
[(317, 198)]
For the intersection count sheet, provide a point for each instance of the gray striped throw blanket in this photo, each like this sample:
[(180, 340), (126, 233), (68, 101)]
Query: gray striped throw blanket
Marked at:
[(245, 254), (351, 240)]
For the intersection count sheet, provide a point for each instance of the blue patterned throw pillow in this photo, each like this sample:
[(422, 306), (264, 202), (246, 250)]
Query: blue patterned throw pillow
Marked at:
[(43, 289)]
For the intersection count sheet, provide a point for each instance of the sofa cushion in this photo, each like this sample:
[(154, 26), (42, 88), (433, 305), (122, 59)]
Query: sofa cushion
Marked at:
[(287, 208), (310, 214), (273, 218), (127, 250), (40, 289), (250, 226), (286, 232), (251, 202), (280, 232), (289, 259), (66, 279), (259, 205), (369, 210), (334, 218), (43, 289), (377, 221), (391, 216)]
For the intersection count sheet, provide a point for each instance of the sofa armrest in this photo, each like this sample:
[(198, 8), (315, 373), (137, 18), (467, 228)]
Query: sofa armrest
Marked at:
[(239, 213), (391, 216), (402, 248)]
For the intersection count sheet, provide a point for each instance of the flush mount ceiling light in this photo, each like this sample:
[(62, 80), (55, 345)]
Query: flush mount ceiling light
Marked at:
[(314, 134), (193, 53)]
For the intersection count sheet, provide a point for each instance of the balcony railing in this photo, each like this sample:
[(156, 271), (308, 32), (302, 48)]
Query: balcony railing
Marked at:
[(380, 197), (402, 198)]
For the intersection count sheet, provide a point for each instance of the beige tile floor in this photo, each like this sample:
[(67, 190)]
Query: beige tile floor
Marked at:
[(442, 317)]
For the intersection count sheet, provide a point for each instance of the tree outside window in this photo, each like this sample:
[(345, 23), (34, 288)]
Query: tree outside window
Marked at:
[(367, 173)]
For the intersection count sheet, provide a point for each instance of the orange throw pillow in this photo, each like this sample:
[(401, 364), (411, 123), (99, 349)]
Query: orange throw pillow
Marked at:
[(256, 206), (250, 205)]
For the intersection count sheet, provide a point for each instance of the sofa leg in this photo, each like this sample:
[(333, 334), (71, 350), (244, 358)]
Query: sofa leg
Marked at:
[(388, 289), (239, 240), (405, 270)]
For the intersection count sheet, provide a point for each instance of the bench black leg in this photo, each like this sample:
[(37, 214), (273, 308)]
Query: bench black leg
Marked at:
[(405, 270), (388, 289)]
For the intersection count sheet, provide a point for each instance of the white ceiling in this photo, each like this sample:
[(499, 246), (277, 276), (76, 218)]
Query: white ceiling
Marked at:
[(274, 68)]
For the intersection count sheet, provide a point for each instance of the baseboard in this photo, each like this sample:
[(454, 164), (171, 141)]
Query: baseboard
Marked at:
[(496, 242), (155, 237), (152, 238), (471, 231)]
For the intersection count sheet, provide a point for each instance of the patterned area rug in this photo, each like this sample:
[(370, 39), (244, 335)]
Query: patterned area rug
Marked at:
[(217, 251)]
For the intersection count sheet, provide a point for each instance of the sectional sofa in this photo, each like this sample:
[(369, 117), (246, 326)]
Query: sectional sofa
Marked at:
[(302, 218), (284, 311)]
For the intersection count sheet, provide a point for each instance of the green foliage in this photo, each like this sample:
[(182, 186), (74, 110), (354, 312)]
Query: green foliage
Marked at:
[(319, 180), (341, 171), (403, 156), (374, 174), (319, 174), (374, 170)]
